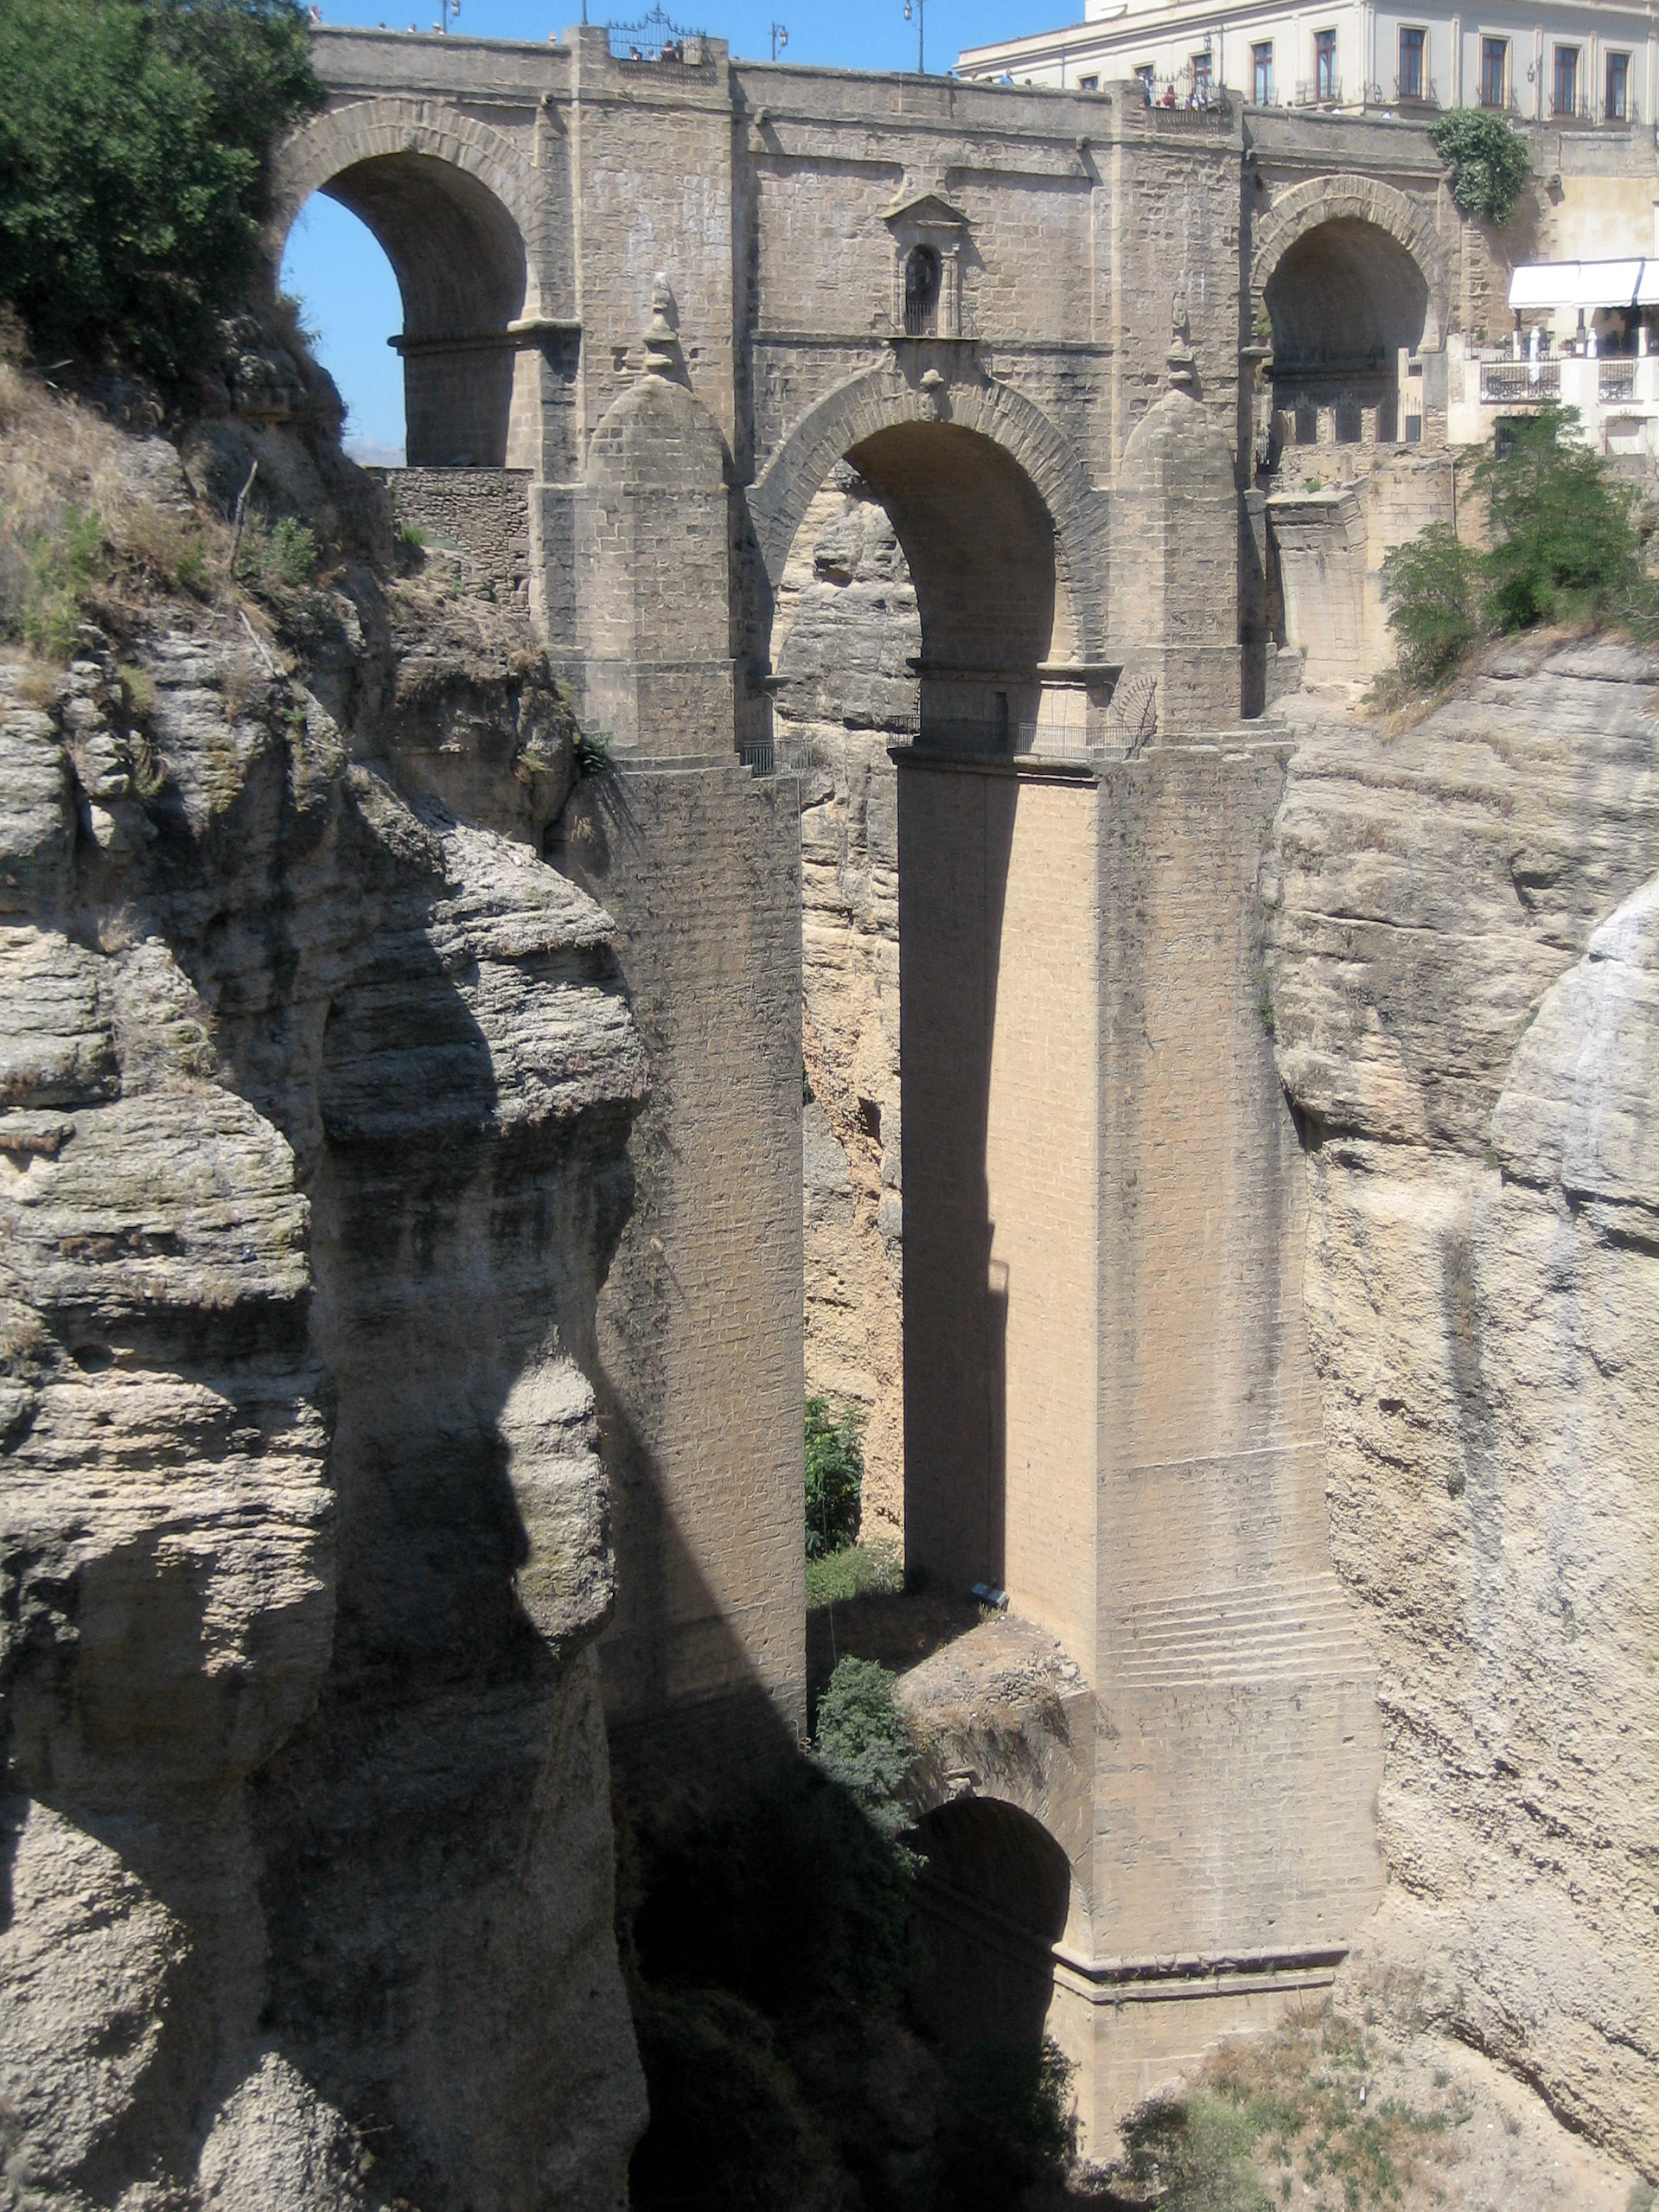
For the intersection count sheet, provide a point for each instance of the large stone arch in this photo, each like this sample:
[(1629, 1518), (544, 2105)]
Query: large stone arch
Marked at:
[(366, 130), (463, 219), (1347, 197), (884, 399)]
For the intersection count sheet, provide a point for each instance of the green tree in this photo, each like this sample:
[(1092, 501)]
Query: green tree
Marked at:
[(1433, 586), (134, 142), (1489, 162), (863, 1742), (1564, 546), (834, 1478)]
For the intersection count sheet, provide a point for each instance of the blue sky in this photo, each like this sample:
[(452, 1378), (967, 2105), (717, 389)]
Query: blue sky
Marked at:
[(336, 268)]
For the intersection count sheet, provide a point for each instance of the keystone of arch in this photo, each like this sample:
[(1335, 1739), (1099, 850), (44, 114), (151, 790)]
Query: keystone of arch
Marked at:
[(1357, 199), (362, 130), (879, 400)]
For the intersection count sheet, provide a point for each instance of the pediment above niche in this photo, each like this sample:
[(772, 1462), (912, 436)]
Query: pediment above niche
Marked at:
[(926, 211)]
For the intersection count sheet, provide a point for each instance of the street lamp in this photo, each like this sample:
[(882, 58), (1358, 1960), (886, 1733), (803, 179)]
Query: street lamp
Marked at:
[(780, 38), (920, 8)]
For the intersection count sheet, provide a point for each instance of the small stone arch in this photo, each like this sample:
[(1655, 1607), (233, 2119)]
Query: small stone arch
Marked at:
[(884, 399), (1347, 197)]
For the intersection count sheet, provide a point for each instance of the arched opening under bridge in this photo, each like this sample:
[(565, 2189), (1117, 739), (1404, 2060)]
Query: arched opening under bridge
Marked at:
[(1345, 301), (936, 1024), (992, 1899), (459, 259)]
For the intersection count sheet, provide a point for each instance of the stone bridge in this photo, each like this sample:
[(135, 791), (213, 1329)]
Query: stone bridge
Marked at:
[(1030, 321)]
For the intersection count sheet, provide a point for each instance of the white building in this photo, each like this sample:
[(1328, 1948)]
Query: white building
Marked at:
[(1582, 61)]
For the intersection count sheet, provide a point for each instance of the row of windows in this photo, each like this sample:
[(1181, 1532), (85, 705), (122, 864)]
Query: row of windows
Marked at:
[(1412, 83)]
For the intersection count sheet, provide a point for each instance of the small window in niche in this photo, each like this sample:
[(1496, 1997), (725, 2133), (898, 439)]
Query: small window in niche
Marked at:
[(1088, 84), (922, 293)]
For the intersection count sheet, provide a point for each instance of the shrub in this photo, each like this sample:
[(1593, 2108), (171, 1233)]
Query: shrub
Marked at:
[(857, 1571), (863, 1745), (280, 555), (1564, 548), (1489, 162), (133, 138), (1564, 539), (1008, 2123), (834, 1478), (1432, 585), (1196, 2151), (592, 753), (45, 597)]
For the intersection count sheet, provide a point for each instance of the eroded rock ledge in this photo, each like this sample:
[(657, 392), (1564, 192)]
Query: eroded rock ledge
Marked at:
[(315, 1085), (1464, 985)]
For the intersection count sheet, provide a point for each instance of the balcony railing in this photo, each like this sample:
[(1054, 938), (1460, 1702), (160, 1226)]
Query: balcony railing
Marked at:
[(1311, 92), (1570, 107), (1618, 115), (1615, 379), (653, 39), (1505, 383), (1422, 94)]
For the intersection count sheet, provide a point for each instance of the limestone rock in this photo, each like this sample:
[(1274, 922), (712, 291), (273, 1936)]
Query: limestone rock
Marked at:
[(314, 1090), (1462, 978), (846, 630)]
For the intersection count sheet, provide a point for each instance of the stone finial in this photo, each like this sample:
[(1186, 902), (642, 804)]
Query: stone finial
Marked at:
[(662, 353), (1181, 374)]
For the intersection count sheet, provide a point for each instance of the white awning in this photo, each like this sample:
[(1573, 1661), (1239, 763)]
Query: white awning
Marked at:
[(1585, 284)]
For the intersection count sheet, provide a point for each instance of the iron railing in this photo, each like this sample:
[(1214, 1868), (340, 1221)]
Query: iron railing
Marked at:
[(1060, 733), (1616, 380), (1311, 93), (653, 38), (1503, 383), (1422, 94)]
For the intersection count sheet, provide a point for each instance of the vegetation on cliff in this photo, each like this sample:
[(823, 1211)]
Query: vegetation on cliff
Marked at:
[(1488, 160), (134, 141), (1566, 543), (834, 1478)]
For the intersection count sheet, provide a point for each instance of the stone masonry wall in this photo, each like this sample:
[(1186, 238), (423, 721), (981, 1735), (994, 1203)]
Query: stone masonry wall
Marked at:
[(479, 517)]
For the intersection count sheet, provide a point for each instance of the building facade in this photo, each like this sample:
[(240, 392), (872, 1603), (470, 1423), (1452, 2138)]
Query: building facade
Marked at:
[(1580, 65)]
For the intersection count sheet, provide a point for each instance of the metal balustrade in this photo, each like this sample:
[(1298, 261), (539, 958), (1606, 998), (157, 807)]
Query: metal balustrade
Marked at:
[(1615, 379), (1505, 382), (653, 38)]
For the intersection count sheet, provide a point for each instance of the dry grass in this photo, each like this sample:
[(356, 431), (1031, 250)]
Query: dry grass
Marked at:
[(1301, 2115), (83, 539), (79, 540)]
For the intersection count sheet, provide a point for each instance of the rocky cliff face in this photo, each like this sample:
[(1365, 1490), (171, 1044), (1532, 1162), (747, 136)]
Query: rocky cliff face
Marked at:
[(315, 1084), (1464, 983), (848, 629)]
